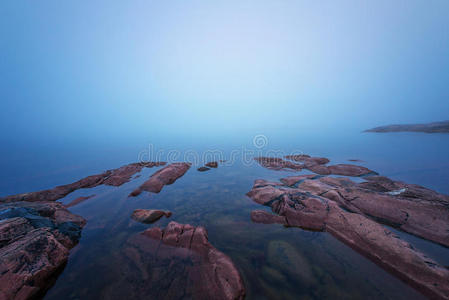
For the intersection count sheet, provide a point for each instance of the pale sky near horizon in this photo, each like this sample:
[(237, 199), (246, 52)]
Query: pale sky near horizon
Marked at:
[(117, 68)]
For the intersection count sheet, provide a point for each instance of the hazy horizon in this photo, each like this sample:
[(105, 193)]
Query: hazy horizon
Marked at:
[(112, 69)]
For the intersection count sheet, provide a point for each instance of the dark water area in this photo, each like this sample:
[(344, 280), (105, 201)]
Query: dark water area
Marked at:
[(275, 262)]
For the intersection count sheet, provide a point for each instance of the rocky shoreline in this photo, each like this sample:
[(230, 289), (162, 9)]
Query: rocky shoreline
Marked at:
[(37, 233), (353, 213)]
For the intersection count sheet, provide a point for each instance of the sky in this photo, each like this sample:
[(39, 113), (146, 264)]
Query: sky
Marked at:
[(107, 69)]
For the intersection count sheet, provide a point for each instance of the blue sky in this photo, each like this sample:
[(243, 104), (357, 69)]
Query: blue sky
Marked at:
[(92, 69)]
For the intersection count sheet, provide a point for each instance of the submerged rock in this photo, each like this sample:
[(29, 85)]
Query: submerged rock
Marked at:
[(261, 216), (115, 177), (35, 238), (149, 216), (78, 201), (178, 262), (320, 205), (165, 176)]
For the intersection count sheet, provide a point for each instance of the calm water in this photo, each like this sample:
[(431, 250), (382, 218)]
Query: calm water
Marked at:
[(275, 262)]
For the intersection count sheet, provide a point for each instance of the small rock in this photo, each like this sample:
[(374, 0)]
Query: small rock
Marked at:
[(203, 169), (149, 216)]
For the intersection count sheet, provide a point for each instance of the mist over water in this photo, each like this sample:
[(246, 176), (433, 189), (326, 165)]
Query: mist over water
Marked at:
[(92, 86), (81, 72)]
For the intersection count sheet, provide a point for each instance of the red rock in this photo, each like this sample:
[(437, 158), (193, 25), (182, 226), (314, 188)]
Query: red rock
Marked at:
[(165, 176), (35, 238), (78, 201), (349, 170), (212, 164), (302, 209), (203, 169), (149, 216), (319, 169), (123, 174), (177, 262), (114, 177)]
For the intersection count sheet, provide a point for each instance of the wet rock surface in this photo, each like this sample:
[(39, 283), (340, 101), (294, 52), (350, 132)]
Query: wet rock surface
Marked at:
[(314, 164), (212, 164), (177, 262), (149, 216), (115, 177), (165, 176), (349, 170), (353, 213), (35, 238), (203, 169)]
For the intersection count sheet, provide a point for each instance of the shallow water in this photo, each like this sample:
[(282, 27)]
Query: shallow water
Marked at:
[(275, 262)]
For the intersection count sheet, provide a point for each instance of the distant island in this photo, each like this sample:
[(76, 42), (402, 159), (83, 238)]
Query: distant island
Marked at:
[(436, 127)]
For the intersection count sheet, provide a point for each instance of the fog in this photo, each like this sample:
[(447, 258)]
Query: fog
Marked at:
[(79, 70)]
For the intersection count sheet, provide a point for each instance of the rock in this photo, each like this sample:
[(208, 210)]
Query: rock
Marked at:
[(275, 163), (203, 169), (78, 201), (178, 262), (212, 164), (319, 169), (114, 177), (149, 216), (349, 170), (261, 216), (307, 210), (165, 176), (123, 174), (308, 160), (294, 180), (35, 238), (436, 127)]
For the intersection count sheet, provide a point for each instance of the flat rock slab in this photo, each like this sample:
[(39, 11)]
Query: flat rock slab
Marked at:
[(165, 176), (115, 177), (177, 262)]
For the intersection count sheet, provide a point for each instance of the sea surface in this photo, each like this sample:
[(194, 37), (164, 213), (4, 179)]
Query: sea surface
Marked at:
[(275, 262)]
